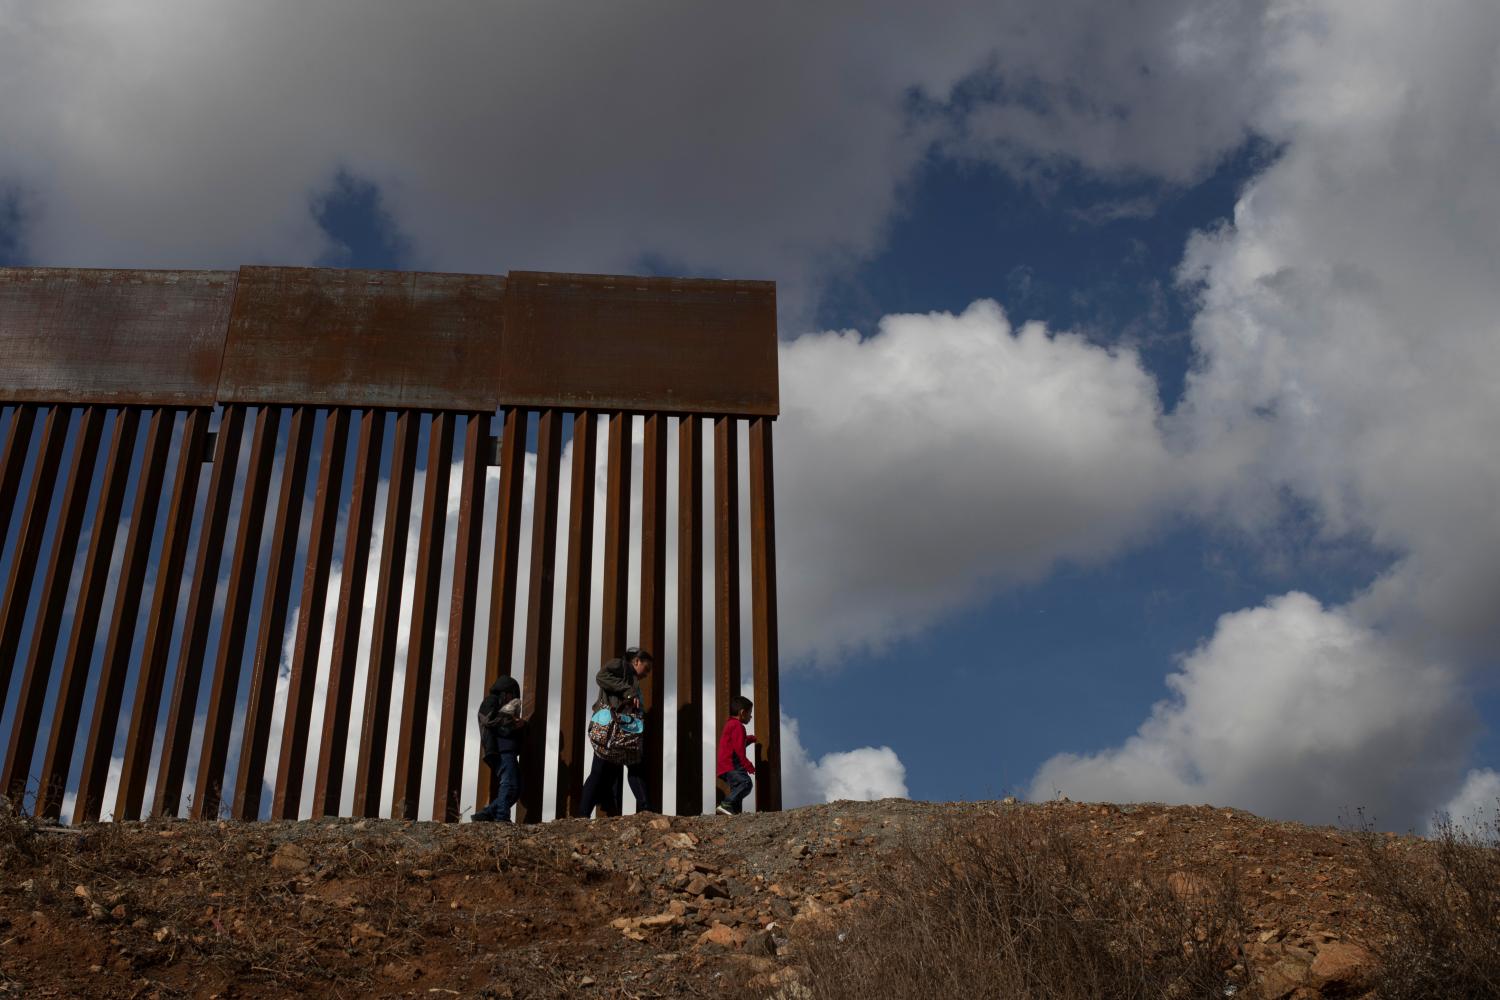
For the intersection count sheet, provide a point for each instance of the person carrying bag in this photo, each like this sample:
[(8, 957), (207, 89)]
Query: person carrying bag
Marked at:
[(617, 734)]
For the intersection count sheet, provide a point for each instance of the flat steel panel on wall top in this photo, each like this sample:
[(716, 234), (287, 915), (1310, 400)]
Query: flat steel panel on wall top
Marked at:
[(116, 337)]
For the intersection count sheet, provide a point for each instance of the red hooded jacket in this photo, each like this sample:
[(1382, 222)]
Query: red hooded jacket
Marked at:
[(732, 742)]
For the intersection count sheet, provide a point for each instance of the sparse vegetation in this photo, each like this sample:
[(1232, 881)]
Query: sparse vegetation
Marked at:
[(1020, 907), (1441, 912)]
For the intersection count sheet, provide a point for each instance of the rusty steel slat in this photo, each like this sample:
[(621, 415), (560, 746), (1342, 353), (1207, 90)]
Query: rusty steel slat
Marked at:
[(249, 777), (611, 342), (115, 665), (225, 686), (654, 592), (61, 734), (726, 567), (612, 610), (370, 775), (307, 648), (765, 665), (159, 622), (184, 705), (51, 602), (333, 337), (576, 675), (13, 461), (537, 670), (690, 616), (112, 337), (29, 540), (411, 734), (500, 642), (328, 787), (612, 606), (463, 604)]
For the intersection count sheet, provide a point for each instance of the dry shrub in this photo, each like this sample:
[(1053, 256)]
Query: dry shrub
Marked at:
[(1020, 908), (1441, 913)]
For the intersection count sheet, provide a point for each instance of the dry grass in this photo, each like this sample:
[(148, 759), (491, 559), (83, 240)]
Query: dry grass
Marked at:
[(1021, 908), (1441, 913)]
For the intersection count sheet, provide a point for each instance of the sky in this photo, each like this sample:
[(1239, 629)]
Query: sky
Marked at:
[(1137, 359)]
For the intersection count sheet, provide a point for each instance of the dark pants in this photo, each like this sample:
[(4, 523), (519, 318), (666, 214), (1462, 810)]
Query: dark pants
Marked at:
[(739, 786), (605, 787), (505, 786)]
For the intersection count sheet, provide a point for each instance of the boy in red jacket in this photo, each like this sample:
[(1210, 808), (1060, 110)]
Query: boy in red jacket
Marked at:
[(734, 763)]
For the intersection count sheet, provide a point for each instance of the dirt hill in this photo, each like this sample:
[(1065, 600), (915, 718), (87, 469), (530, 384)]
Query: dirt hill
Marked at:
[(640, 906)]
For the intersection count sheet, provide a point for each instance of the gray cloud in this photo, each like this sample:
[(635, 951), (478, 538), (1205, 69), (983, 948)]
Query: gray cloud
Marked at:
[(711, 138)]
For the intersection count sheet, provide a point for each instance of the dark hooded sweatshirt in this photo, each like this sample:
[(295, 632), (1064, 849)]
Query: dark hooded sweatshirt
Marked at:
[(497, 732)]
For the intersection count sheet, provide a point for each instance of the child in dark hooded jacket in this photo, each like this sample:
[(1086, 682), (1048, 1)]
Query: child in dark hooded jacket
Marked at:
[(500, 745)]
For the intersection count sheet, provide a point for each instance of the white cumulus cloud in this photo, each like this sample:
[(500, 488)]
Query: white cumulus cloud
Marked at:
[(1290, 710)]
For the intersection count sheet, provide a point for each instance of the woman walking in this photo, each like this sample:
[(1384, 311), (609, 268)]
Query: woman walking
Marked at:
[(619, 691)]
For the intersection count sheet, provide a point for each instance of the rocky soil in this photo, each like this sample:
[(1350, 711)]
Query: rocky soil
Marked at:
[(639, 906)]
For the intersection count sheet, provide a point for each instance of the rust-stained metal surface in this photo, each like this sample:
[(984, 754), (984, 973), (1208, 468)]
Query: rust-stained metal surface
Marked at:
[(726, 566), (370, 773), (78, 335), (411, 741), (578, 594), (690, 614), (146, 363), (136, 766), (249, 778), (398, 339), (308, 645), (765, 666), (339, 698), (53, 596), (673, 345), (87, 609), (462, 608), (115, 667), (653, 590), (537, 670), (200, 611)]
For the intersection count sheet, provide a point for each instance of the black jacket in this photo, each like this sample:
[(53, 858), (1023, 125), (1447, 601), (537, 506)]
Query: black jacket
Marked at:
[(497, 733), (618, 684)]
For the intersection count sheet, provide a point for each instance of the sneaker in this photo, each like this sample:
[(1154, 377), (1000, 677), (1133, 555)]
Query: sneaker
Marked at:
[(483, 817), (724, 808)]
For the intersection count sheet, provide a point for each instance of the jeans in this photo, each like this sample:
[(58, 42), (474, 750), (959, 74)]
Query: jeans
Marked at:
[(505, 784), (605, 787), (739, 786)]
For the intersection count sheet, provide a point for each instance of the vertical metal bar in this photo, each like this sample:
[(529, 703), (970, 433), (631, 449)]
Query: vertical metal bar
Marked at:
[(612, 611), (179, 732), (328, 788), (726, 567), (507, 542), (163, 615), (690, 616), (461, 614), (579, 591), (51, 602), (654, 591), (229, 661), (382, 668), (116, 663), (13, 461), (29, 540), (61, 734), (537, 670), (302, 684), (766, 667), (249, 777), (411, 734)]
